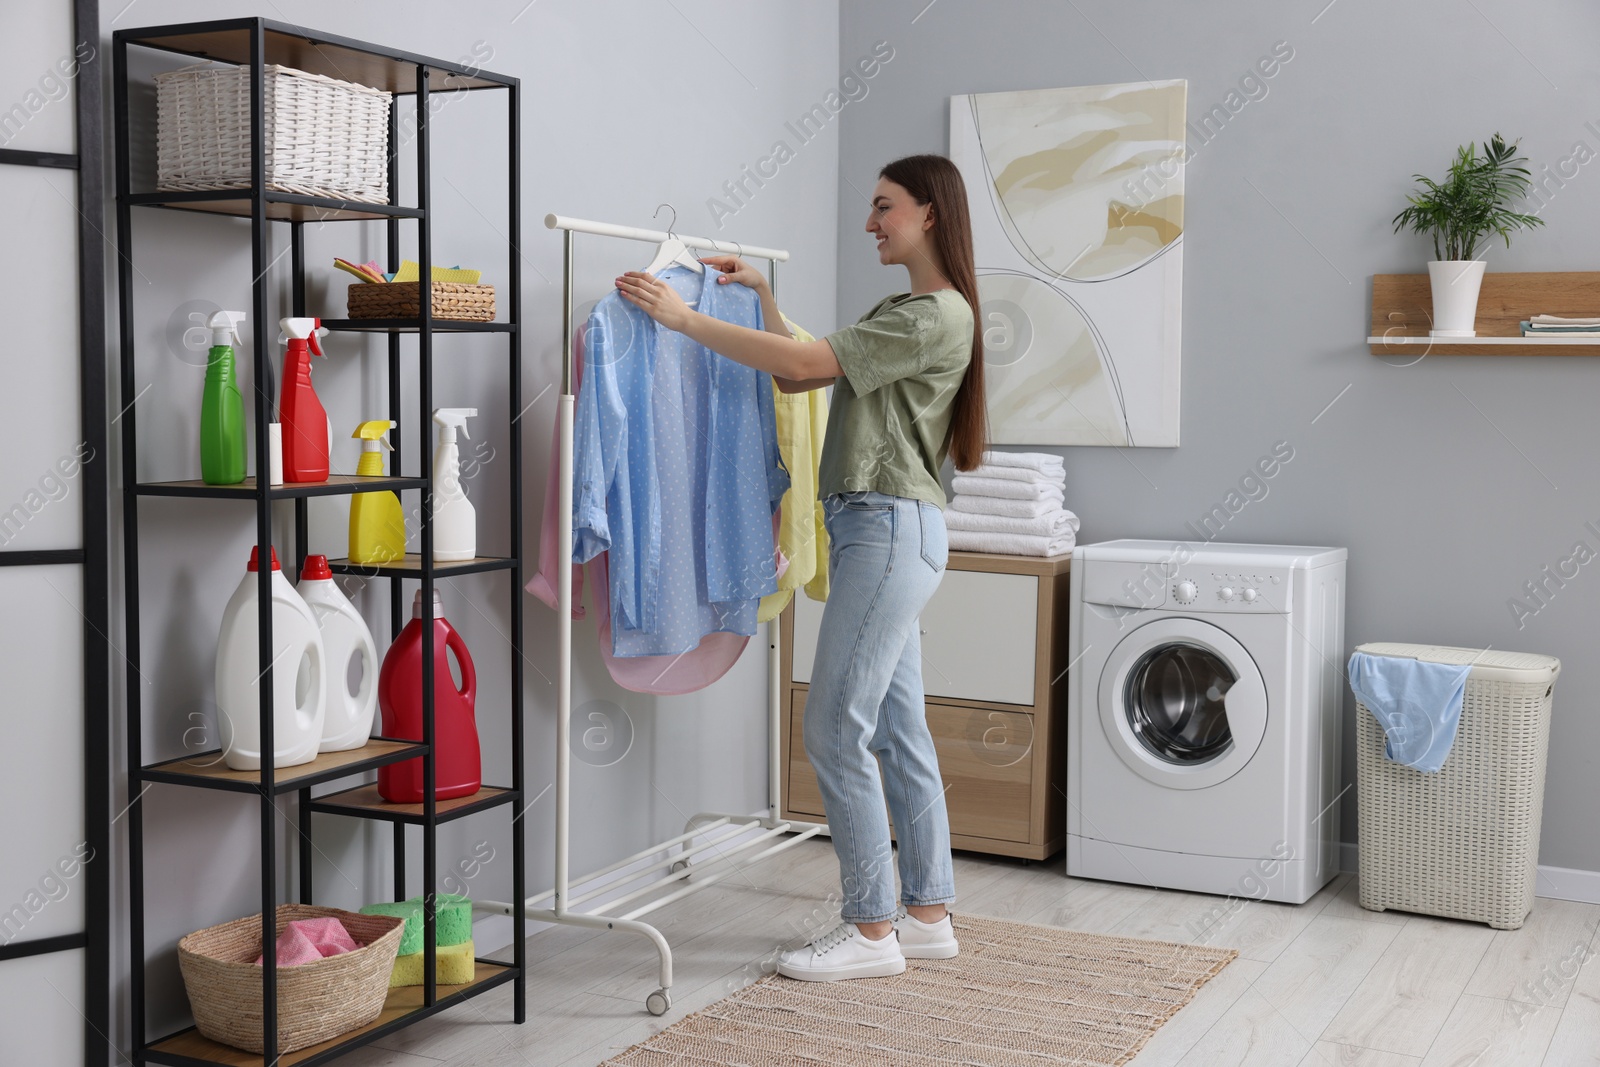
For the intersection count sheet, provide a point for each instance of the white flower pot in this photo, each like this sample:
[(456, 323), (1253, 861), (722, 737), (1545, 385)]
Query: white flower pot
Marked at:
[(1455, 296)]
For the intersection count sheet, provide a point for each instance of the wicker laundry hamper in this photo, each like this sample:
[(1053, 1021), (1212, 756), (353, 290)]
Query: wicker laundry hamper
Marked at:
[(1463, 842)]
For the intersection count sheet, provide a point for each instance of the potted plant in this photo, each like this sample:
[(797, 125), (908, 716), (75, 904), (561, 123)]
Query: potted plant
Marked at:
[(1472, 202)]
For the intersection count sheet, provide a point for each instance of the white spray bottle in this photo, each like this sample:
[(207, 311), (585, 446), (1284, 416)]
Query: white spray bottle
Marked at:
[(455, 521)]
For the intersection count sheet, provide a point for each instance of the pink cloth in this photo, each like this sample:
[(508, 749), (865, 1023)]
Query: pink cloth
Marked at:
[(662, 675), (309, 940)]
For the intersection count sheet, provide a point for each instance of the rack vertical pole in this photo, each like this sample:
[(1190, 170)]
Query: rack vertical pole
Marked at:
[(564, 583), (430, 762), (519, 918), (263, 500)]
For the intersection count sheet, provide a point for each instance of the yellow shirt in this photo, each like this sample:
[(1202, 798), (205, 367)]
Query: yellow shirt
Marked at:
[(802, 425)]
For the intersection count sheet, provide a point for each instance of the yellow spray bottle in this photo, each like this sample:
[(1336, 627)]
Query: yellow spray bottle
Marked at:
[(377, 525)]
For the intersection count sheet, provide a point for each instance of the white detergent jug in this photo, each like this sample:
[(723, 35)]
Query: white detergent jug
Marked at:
[(349, 718), (299, 665)]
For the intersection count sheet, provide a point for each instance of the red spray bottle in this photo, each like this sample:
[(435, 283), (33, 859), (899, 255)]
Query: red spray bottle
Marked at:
[(457, 761), (306, 429)]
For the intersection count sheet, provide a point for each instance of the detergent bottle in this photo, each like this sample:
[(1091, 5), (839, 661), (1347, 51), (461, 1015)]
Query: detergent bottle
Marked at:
[(299, 697), (222, 449), (307, 430), (377, 525), (345, 638), (455, 521), (457, 761)]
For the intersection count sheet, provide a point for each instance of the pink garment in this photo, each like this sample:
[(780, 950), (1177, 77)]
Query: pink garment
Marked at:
[(309, 940), (661, 675)]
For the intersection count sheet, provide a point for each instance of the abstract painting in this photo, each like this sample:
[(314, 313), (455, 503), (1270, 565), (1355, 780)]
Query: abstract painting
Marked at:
[(1076, 196)]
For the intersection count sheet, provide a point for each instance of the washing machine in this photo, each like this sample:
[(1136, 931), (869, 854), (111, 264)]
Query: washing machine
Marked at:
[(1203, 716)]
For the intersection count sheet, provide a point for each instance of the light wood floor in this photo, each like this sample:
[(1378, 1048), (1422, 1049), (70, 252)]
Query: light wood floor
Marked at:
[(1323, 984)]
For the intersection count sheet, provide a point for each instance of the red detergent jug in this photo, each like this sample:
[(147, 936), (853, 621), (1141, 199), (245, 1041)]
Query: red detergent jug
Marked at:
[(458, 763)]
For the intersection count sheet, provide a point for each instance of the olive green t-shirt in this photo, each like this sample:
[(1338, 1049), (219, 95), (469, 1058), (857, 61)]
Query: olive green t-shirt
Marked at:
[(889, 421)]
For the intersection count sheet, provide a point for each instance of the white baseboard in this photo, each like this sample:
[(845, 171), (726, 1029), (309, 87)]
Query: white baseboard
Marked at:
[(1556, 883)]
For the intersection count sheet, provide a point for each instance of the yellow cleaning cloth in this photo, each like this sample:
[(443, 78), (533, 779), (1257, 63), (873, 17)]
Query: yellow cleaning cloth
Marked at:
[(802, 424), (411, 271), (453, 964)]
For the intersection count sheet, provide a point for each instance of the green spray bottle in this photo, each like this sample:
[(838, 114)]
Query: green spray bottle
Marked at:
[(222, 450)]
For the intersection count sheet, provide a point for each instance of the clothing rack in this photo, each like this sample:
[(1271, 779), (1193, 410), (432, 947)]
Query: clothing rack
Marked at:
[(668, 877)]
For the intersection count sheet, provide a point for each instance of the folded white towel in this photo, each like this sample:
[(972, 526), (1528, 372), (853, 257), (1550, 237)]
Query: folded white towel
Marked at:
[(1050, 524), (1018, 474), (1011, 544), (967, 483), (1038, 461), (995, 505)]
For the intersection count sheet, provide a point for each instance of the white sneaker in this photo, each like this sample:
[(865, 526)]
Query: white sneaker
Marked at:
[(925, 941), (843, 952)]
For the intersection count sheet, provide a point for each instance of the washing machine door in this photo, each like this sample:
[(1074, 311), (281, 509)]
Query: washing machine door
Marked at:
[(1182, 703)]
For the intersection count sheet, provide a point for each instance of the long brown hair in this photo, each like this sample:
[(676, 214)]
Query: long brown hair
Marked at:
[(934, 179)]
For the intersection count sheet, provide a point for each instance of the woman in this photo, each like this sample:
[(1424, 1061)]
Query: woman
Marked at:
[(908, 390)]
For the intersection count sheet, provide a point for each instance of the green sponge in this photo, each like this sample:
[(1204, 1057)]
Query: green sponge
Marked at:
[(452, 924), (411, 912), (453, 964)]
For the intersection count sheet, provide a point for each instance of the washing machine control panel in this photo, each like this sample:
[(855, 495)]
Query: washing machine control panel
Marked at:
[(1258, 590)]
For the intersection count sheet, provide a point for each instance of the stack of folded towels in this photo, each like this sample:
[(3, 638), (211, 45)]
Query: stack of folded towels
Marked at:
[(1011, 503)]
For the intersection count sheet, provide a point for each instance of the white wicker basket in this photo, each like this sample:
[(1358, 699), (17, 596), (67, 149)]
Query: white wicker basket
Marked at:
[(1463, 842), (324, 137)]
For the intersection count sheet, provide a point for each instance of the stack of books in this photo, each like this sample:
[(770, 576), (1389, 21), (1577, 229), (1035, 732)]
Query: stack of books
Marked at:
[(1559, 326)]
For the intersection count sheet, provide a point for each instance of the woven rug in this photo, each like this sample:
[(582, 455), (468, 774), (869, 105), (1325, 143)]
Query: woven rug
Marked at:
[(1017, 996)]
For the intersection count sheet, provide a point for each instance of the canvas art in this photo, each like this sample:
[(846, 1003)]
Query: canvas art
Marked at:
[(1076, 197)]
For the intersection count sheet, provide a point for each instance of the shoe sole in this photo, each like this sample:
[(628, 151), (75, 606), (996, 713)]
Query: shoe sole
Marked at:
[(882, 969), (946, 951)]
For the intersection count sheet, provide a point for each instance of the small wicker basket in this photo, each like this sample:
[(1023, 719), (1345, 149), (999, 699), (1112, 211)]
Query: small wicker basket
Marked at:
[(317, 1001), (324, 137), (1463, 842), (402, 300)]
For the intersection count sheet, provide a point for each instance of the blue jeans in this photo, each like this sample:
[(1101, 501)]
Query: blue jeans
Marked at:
[(885, 557)]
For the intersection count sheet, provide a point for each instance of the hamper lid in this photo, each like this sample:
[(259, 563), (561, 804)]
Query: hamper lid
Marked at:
[(1487, 664)]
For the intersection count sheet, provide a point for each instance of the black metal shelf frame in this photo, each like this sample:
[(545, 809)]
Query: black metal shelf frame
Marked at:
[(255, 42), (87, 160)]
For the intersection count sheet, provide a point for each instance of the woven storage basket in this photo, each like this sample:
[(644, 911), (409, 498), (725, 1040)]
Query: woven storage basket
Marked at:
[(317, 1001), (324, 137), (1463, 842), (401, 300)]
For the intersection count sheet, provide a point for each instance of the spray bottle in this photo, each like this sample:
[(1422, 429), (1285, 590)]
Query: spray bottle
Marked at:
[(377, 524), (307, 430), (222, 449), (455, 522)]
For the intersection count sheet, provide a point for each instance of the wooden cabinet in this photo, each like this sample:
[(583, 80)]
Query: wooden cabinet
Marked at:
[(994, 640)]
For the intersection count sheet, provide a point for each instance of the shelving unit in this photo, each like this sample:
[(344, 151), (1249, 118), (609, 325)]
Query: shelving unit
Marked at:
[(1402, 314), (257, 42)]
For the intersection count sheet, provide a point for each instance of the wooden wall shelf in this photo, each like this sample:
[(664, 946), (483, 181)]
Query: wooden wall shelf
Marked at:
[(1402, 313)]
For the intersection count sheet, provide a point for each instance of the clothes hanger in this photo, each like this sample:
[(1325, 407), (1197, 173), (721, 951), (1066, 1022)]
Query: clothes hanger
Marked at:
[(672, 250)]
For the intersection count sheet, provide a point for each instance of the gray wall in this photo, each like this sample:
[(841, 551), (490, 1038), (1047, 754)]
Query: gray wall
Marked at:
[(1452, 481), (624, 106)]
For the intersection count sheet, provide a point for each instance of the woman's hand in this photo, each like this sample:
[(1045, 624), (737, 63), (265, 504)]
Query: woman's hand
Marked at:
[(735, 269), (658, 299)]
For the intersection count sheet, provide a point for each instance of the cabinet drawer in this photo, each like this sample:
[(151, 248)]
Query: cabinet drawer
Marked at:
[(985, 760), (979, 633)]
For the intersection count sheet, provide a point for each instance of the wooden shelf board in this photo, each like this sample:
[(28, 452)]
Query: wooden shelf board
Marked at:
[(1402, 315), (336, 485), (190, 1045), (1043, 566), (410, 566), (364, 801), (208, 769), (414, 326)]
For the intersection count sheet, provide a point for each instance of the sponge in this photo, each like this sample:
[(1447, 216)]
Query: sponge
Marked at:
[(453, 965), (452, 923), (411, 912)]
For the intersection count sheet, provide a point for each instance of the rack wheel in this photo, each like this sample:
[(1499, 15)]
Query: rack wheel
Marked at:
[(659, 1002), (679, 865)]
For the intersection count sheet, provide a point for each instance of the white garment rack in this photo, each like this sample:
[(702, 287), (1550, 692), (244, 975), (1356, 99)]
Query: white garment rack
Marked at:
[(669, 877)]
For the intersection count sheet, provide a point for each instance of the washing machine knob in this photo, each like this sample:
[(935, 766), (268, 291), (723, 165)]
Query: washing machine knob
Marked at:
[(1249, 596), (1187, 591), (1225, 593)]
